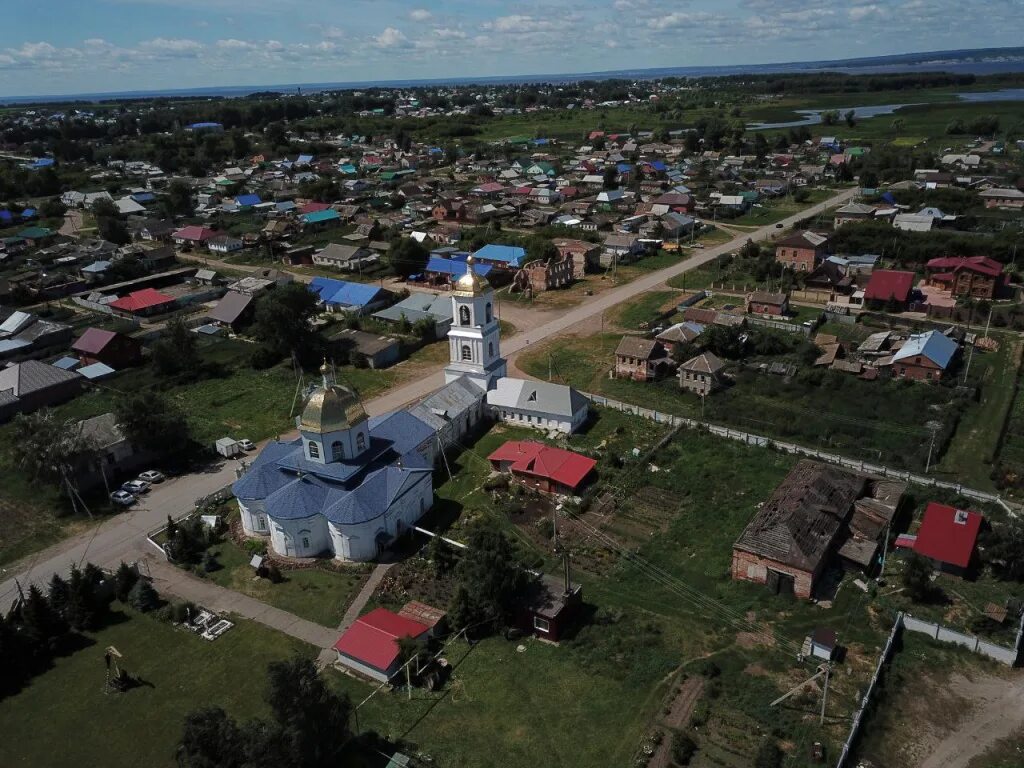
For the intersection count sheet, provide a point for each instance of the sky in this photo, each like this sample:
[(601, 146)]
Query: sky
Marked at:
[(71, 46)]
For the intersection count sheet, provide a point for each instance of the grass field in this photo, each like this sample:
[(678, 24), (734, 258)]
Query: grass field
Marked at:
[(645, 308), (62, 719), (771, 210), (320, 595)]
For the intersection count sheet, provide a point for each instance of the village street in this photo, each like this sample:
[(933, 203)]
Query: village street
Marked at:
[(123, 537)]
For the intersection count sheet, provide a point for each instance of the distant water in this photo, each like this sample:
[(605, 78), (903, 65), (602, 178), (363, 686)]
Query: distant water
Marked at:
[(985, 61), (813, 116)]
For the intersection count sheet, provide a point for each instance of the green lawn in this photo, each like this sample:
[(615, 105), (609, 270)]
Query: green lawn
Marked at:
[(318, 594), (515, 710), (62, 719), (976, 443), (771, 210), (645, 309)]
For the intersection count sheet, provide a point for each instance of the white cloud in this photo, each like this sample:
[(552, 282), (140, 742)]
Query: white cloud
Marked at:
[(420, 14), (391, 38)]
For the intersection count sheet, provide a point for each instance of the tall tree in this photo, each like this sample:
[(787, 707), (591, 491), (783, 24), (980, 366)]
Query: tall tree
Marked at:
[(313, 719), (210, 739), (407, 256), (153, 422), (176, 352), (48, 447), (283, 322), (492, 576)]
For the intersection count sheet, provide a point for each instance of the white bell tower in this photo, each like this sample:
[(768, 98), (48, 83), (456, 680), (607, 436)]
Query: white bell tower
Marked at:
[(473, 341)]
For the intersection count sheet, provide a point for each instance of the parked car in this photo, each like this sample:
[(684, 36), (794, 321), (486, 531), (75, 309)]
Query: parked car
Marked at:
[(152, 476), (123, 498), (779, 225), (246, 445), (135, 487)]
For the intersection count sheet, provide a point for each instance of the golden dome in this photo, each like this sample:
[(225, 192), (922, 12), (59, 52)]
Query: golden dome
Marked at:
[(331, 408), (471, 284)]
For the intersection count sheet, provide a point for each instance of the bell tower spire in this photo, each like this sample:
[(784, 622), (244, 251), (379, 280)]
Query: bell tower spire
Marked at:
[(474, 341)]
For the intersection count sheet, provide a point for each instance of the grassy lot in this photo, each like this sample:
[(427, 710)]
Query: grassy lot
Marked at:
[(816, 408), (976, 443), (771, 210), (318, 594), (511, 709), (63, 719), (644, 309)]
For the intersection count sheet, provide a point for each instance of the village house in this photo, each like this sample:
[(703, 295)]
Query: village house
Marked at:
[(1003, 198), (947, 537), (889, 288), (702, 374), (117, 350), (818, 511), (543, 467), (924, 357), (801, 251), (234, 310), (193, 236), (370, 645), (641, 359), (852, 212), (678, 334), (538, 404), (31, 385), (347, 258), (377, 351), (767, 303), (552, 608), (978, 277)]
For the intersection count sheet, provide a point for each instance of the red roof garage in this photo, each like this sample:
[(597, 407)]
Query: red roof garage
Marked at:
[(947, 537), (147, 301), (370, 646)]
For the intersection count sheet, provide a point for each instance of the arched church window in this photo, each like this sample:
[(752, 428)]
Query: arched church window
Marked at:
[(314, 450), (467, 353), (487, 311), (463, 315), (337, 450), (360, 441)]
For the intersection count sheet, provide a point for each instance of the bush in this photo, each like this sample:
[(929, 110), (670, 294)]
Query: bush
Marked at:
[(768, 756), (709, 669), (210, 563), (683, 749), (182, 612), (124, 579), (700, 715), (263, 358), (143, 597), (273, 574), (255, 546)]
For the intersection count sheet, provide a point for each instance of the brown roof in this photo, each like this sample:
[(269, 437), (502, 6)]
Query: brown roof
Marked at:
[(764, 297), (799, 522), (705, 363), (635, 346)]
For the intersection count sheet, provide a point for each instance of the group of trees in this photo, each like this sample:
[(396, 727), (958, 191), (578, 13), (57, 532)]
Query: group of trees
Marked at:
[(308, 727), (916, 248), (42, 625), (283, 324)]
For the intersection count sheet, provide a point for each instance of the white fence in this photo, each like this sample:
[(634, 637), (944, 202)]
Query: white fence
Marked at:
[(767, 442)]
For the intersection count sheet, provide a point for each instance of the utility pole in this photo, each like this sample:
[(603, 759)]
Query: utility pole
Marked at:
[(933, 426), (824, 695)]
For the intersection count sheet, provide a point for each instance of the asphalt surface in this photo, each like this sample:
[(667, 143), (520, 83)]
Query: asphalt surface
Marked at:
[(123, 537)]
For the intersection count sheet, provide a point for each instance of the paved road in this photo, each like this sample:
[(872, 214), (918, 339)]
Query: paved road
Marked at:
[(123, 537)]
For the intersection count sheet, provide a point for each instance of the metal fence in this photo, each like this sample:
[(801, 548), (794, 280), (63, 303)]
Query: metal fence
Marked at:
[(762, 441)]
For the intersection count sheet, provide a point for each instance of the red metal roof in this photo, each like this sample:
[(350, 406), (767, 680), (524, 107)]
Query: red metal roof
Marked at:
[(139, 300), (313, 207), (982, 264), (373, 639), (539, 460), (194, 233), (93, 341), (948, 534), (889, 283)]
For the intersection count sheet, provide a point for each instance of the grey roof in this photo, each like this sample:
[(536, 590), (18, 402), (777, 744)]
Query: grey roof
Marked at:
[(417, 306), (635, 346), (364, 342), (338, 252), (101, 431), (453, 398), (230, 307), (32, 376), (539, 396)]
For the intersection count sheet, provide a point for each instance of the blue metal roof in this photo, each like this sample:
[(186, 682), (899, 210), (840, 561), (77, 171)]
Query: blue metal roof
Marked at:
[(344, 293), (248, 200), (317, 216), (306, 159), (404, 431), (65, 363), (454, 267), (96, 371), (512, 255), (937, 347)]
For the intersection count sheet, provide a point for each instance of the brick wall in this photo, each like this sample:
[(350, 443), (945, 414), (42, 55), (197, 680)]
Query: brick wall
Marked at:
[(749, 567)]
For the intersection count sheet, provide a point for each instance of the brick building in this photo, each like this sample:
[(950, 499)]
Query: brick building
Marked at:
[(585, 256), (641, 359), (546, 275), (789, 540), (801, 251), (766, 303), (976, 276), (924, 357)]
